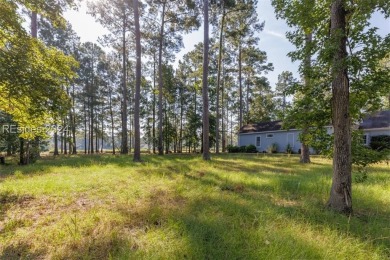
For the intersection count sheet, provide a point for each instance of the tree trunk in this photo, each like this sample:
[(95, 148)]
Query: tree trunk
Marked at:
[(137, 134), (181, 121), (91, 108), (85, 129), (223, 113), (124, 141), (21, 152), (341, 193), (154, 103), (73, 113), (305, 152), (160, 85), (205, 89), (65, 136), (240, 83), (219, 78), (56, 142), (34, 25), (112, 124), (102, 134)]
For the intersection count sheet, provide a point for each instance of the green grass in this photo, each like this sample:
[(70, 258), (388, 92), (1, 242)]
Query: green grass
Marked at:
[(180, 207)]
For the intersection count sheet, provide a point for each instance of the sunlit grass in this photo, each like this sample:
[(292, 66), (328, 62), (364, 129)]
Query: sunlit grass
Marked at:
[(177, 207)]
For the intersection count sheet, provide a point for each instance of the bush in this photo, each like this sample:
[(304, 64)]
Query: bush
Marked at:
[(380, 142), (363, 156), (233, 149), (273, 148), (251, 149), (243, 149), (289, 149)]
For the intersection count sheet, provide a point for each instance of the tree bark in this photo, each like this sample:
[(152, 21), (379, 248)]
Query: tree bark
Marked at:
[(73, 119), (56, 142), (219, 78), (305, 152), (112, 124), (85, 129), (154, 103), (160, 85), (223, 113), (124, 141), (341, 193), (137, 134), (205, 89), (240, 83), (34, 25)]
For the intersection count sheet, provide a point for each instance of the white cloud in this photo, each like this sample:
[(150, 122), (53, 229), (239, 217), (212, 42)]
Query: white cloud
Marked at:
[(275, 34)]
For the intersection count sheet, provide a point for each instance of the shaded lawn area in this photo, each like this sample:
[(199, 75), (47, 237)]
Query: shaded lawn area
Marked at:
[(180, 207)]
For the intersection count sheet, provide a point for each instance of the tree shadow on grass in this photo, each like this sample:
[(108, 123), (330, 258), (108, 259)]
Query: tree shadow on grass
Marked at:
[(20, 251), (296, 203)]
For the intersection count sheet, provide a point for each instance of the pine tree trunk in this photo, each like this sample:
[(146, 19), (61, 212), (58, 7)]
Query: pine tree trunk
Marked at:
[(85, 129), (124, 141), (112, 124), (154, 103), (65, 136), (240, 83), (137, 134), (160, 85), (73, 113), (56, 142), (223, 113), (219, 78), (21, 152), (341, 193), (205, 90)]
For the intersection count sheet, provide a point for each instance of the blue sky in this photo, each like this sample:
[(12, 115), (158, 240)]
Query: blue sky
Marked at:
[(272, 39)]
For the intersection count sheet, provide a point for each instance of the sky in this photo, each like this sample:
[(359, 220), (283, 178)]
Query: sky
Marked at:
[(272, 38)]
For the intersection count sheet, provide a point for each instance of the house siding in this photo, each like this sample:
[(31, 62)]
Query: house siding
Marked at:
[(375, 132), (281, 138)]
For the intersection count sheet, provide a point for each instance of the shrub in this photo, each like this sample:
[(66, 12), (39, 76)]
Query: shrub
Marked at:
[(289, 149), (380, 142), (242, 149), (233, 149), (273, 148), (363, 156), (251, 149)]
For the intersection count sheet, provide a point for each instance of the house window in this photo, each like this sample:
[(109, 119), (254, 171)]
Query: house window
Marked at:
[(258, 141), (365, 139), (270, 135)]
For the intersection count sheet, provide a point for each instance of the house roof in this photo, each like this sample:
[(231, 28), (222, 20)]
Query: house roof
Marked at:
[(377, 120), (262, 127)]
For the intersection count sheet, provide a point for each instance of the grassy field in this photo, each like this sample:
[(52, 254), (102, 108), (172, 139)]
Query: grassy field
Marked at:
[(179, 207)]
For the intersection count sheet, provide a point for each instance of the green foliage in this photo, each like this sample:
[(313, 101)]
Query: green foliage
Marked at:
[(233, 149), (289, 149), (273, 148), (363, 156), (32, 75), (380, 142), (250, 149), (242, 149)]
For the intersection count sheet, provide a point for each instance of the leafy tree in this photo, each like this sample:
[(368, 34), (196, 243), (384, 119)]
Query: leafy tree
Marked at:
[(175, 16), (347, 52)]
